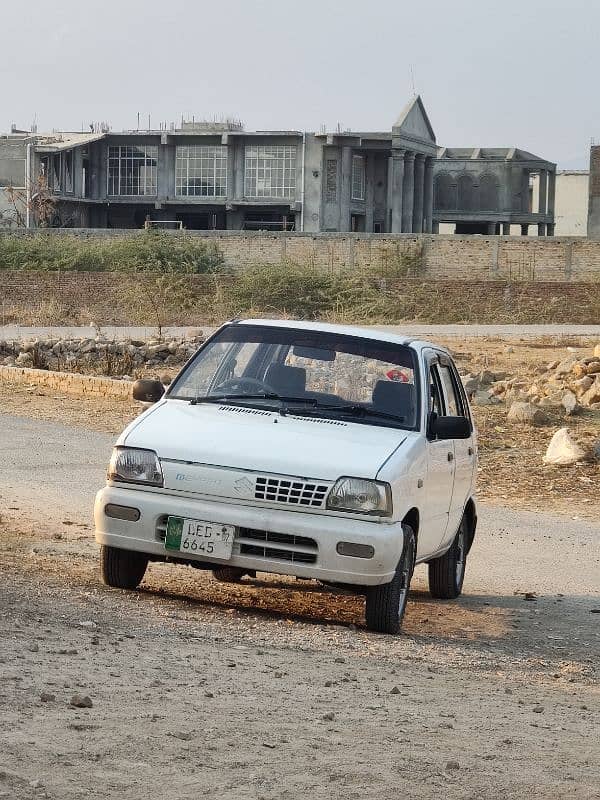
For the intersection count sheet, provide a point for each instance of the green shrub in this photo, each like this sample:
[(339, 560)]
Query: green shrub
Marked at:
[(153, 251)]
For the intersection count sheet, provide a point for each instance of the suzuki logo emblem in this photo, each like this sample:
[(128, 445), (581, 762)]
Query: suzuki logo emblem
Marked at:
[(243, 486)]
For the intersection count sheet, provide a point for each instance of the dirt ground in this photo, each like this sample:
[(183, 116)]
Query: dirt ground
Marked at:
[(201, 689)]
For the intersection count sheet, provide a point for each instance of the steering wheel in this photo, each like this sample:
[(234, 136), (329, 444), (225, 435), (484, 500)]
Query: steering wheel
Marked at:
[(251, 385)]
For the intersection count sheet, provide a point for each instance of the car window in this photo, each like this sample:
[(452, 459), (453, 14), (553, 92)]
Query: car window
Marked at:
[(436, 404), (453, 404), (350, 377)]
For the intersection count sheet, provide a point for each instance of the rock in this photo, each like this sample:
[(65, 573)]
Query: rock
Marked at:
[(185, 736), (482, 398), (597, 351), (593, 368), (592, 395), (47, 697), (527, 413), (395, 690), (562, 450), (33, 647), (81, 701), (538, 709), (452, 765), (329, 717), (565, 367), (569, 403), (582, 385)]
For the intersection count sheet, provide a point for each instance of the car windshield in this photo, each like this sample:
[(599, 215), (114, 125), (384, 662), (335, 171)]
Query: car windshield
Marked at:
[(305, 372)]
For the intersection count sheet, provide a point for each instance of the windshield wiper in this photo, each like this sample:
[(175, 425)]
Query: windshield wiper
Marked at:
[(242, 398), (355, 410)]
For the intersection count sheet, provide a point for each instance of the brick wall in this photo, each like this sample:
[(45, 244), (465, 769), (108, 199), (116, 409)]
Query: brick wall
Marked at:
[(457, 257), (70, 383)]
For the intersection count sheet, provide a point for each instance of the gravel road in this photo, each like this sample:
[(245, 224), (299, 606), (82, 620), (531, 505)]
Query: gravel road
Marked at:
[(273, 689), (12, 332)]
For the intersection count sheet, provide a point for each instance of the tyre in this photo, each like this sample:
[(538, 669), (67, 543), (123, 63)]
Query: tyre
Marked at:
[(123, 569), (447, 573), (386, 604), (228, 574)]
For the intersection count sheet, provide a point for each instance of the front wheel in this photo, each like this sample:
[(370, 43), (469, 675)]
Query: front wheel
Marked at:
[(447, 573), (386, 604), (123, 569)]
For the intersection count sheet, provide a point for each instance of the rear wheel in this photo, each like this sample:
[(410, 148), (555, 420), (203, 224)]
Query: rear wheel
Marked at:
[(386, 604), (123, 569), (228, 574), (447, 573)]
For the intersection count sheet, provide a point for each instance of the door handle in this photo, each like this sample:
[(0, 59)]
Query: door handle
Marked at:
[(450, 456)]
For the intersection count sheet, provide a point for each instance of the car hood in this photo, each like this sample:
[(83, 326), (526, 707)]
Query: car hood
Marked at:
[(254, 439)]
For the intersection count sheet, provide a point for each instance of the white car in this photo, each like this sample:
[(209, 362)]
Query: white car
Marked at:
[(341, 454)]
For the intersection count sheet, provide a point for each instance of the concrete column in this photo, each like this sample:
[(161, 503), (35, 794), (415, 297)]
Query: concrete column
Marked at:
[(551, 192), (428, 196), (550, 229), (419, 193), (543, 191), (542, 229), (525, 229), (397, 188), (435, 227), (408, 192), (506, 229), (491, 228), (346, 189)]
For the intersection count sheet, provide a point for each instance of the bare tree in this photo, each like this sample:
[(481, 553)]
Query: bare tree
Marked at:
[(39, 201)]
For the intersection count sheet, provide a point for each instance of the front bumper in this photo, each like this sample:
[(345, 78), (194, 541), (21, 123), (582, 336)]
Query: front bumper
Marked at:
[(325, 530)]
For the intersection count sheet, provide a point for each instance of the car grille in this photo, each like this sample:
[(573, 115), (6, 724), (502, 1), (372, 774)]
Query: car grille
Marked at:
[(291, 492), (277, 546)]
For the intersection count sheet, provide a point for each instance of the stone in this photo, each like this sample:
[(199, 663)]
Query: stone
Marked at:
[(597, 351), (395, 690), (452, 765), (47, 697), (538, 709), (527, 414), (569, 403), (563, 450), (483, 398), (593, 368), (81, 701), (582, 385), (592, 395), (565, 367), (329, 717)]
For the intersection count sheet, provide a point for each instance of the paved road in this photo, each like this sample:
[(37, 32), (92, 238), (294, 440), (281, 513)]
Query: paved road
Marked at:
[(11, 332), (52, 471)]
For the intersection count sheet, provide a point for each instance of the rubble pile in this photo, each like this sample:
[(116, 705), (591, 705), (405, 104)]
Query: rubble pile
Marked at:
[(98, 355)]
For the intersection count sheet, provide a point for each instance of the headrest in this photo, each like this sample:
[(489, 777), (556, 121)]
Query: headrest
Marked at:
[(394, 397), (286, 380)]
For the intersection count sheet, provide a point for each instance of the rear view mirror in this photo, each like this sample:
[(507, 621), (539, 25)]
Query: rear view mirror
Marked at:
[(450, 427), (148, 391), (314, 353)]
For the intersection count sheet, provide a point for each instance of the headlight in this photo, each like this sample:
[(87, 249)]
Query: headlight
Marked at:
[(135, 466), (358, 494)]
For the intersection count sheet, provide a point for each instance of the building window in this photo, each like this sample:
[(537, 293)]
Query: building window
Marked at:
[(201, 171), (331, 180), (270, 171), (132, 170), (358, 178), (57, 172)]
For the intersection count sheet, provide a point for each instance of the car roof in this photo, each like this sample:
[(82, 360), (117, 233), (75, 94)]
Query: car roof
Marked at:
[(364, 332)]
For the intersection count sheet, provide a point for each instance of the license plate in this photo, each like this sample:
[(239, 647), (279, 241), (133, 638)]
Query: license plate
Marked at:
[(199, 538)]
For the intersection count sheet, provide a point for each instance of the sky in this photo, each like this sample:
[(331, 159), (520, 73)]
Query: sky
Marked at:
[(491, 74)]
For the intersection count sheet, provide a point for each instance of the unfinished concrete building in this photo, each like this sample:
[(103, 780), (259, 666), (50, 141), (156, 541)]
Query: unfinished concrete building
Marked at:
[(488, 190), (218, 176)]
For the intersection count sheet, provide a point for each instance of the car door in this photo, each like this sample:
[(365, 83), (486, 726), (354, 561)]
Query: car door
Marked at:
[(464, 449), (439, 482)]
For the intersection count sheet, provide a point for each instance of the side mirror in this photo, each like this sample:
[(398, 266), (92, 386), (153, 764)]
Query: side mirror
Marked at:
[(450, 427), (148, 391)]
